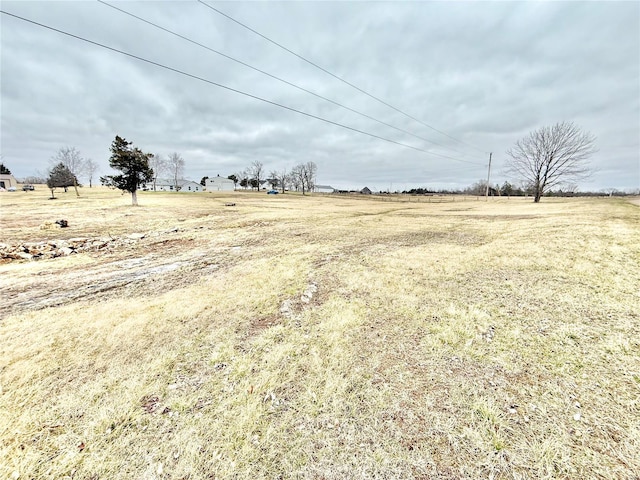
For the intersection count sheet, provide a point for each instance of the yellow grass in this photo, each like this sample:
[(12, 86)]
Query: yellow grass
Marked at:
[(322, 337)]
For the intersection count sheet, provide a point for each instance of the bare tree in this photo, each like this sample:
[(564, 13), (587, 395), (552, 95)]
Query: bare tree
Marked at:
[(303, 176), (159, 165), (91, 168), (309, 170), (284, 178), (551, 156), (296, 177), (255, 172), (72, 160), (175, 165), (281, 177), (479, 188), (273, 179)]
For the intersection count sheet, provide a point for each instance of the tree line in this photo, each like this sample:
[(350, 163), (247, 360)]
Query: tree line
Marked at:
[(301, 178), (68, 165), (138, 168), (507, 189)]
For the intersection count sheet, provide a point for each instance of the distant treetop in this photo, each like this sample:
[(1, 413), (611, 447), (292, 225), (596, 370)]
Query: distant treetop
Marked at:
[(4, 169)]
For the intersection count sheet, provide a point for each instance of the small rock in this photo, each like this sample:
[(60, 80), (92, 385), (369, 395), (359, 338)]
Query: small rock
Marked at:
[(285, 308), (136, 236), (489, 334), (66, 251), (577, 417), (24, 256)]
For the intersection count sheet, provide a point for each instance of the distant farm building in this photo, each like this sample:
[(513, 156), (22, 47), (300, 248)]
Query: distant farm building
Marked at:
[(219, 184), (7, 180), (365, 191), (323, 189)]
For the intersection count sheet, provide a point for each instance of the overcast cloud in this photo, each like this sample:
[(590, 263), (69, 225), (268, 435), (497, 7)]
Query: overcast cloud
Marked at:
[(483, 73)]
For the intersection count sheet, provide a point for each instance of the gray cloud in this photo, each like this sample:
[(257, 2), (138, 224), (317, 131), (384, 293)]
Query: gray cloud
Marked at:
[(484, 73)]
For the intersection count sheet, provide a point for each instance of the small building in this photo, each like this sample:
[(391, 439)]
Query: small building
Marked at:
[(169, 185), (219, 184), (365, 191), (323, 189), (7, 180)]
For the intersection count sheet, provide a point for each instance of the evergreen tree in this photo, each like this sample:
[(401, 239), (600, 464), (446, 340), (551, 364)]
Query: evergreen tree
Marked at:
[(60, 177), (134, 165), (4, 169)]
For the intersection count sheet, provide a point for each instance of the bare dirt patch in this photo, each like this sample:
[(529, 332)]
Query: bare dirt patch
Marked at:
[(141, 265)]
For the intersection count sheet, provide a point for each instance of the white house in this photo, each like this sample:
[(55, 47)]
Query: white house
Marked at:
[(323, 189), (7, 180), (219, 184), (168, 185), (190, 186)]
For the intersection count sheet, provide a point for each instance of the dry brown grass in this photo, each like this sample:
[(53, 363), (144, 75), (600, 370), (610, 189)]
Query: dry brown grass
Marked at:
[(446, 339)]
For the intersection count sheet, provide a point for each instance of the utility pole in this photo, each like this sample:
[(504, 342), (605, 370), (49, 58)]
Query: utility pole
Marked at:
[(486, 195)]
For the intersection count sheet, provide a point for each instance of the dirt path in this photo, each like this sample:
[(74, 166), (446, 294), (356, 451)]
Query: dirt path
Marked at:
[(149, 268)]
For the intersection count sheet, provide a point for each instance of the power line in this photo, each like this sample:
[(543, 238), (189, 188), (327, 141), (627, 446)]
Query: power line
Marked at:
[(281, 79), (181, 72), (339, 78)]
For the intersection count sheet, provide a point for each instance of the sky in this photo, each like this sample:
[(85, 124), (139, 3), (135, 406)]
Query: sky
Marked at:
[(450, 81)]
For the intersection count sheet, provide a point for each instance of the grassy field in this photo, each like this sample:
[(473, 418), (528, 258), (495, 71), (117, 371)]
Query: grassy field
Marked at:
[(321, 337)]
